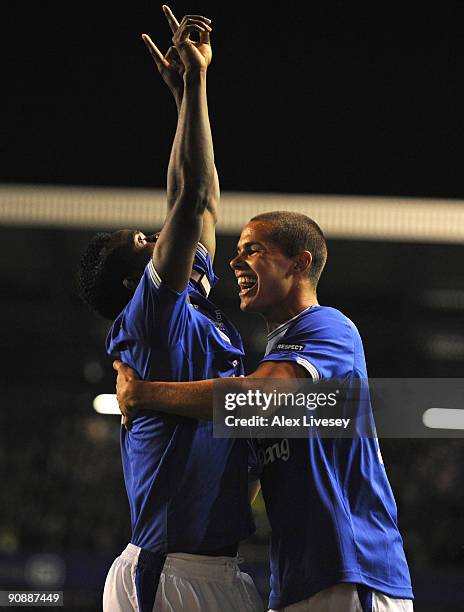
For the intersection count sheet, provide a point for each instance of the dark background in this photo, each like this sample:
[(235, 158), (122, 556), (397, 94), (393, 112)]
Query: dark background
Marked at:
[(325, 97), (308, 98)]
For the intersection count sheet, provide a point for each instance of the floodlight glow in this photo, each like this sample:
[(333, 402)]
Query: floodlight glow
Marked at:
[(106, 403), (443, 418)]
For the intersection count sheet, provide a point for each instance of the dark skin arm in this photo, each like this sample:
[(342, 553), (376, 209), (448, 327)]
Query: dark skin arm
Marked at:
[(189, 399), (194, 161), (171, 69)]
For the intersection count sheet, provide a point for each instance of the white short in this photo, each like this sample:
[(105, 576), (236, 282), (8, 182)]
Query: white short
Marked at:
[(344, 597), (189, 583)]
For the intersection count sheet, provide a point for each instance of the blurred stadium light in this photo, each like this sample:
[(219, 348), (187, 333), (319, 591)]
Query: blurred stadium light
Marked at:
[(444, 299), (106, 403), (360, 218), (443, 418), (445, 346)]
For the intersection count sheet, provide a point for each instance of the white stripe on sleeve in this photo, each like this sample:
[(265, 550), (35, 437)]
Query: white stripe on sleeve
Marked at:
[(309, 367), (203, 250), (155, 277)]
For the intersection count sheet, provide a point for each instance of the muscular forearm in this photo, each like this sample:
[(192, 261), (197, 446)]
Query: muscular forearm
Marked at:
[(191, 399), (173, 175), (194, 162), (173, 180), (212, 203), (195, 399), (192, 142)]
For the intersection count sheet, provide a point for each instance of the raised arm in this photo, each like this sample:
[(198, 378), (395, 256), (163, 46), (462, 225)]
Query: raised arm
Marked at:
[(171, 69), (175, 249)]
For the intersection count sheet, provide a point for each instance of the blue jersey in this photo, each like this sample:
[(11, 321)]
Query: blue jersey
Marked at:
[(329, 502), (187, 490)]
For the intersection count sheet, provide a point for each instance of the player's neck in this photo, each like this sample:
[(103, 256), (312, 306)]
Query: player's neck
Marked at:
[(293, 306)]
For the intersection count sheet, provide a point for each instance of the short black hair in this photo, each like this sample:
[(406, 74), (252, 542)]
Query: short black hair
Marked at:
[(294, 233), (104, 265)]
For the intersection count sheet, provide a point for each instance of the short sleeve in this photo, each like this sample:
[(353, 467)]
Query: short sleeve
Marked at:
[(155, 314), (288, 355), (322, 345)]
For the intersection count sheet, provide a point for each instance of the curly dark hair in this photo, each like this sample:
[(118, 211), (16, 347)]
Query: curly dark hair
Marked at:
[(103, 266), (295, 232)]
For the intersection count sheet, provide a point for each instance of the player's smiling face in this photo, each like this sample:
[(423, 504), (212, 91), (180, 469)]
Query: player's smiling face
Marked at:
[(262, 269)]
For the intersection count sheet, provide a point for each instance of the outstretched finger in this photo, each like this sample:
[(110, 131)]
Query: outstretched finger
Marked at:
[(154, 51), (173, 23)]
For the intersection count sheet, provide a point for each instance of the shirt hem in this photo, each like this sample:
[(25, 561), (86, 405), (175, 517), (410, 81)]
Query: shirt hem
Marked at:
[(212, 544), (400, 592)]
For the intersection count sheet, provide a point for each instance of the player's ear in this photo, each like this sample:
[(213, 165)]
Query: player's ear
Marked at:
[(131, 281), (302, 262)]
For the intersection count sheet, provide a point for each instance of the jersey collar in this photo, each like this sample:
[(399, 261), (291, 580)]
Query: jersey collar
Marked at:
[(279, 329)]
